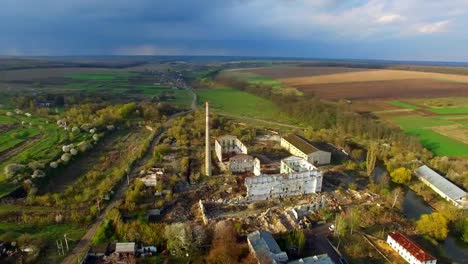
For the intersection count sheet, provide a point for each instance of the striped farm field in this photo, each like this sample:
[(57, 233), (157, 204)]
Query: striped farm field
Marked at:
[(371, 76)]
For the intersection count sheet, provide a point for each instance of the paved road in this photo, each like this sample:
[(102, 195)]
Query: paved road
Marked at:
[(83, 245), (316, 239)]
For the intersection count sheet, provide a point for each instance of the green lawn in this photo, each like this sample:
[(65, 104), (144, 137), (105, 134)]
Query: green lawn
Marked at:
[(13, 137), (241, 103), (421, 127), (450, 110), (404, 105), (152, 89), (100, 76)]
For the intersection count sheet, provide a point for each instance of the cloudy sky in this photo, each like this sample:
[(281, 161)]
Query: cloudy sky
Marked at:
[(365, 29)]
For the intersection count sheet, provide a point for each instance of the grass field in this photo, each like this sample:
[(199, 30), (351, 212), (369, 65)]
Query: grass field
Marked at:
[(450, 110), (242, 103), (443, 130), (422, 128), (405, 105), (258, 79), (100, 76)]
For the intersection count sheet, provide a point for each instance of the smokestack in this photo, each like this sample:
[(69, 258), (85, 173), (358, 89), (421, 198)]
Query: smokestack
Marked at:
[(207, 142)]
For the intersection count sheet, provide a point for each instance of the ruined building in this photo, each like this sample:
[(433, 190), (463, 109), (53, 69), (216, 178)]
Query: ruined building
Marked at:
[(297, 177), (232, 153)]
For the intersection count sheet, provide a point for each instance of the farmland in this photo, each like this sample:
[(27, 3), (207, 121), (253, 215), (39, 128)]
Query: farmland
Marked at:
[(333, 83), (429, 105), (228, 100)]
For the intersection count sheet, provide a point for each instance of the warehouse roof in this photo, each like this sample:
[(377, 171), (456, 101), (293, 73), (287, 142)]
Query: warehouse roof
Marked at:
[(441, 183), (300, 143), (411, 247)]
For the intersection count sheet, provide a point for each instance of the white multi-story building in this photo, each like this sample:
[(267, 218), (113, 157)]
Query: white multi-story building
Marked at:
[(233, 154), (241, 163), (300, 147), (295, 164), (265, 187), (227, 146), (409, 250)]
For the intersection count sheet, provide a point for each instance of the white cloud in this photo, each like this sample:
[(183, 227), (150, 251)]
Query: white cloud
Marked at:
[(436, 27), (389, 18)]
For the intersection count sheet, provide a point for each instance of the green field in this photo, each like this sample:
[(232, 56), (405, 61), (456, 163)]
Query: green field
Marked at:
[(241, 103), (100, 76), (16, 136), (405, 105), (450, 110), (256, 79), (421, 127)]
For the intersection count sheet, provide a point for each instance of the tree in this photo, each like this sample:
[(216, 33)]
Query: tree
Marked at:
[(401, 175), (353, 219), (224, 248), (179, 238), (295, 241), (371, 159), (434, 225)]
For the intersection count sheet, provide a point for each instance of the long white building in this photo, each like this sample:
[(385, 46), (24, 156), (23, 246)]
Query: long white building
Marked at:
[(265, 187), (298, 146), (443, 187), (297, 177), (409, 250)]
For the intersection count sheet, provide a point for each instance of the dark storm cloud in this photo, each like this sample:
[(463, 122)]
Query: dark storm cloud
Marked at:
[(400, 29)]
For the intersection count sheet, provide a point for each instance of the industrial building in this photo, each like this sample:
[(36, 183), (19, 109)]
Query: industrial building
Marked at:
[(227, 146), (265, 187), (298, 146), (443, 187), (232, 154), (295, 164), (409, 250), (266, 250)]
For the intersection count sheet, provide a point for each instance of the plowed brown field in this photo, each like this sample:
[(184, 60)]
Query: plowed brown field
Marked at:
[(355, 83), (390, 89), (290, 72)]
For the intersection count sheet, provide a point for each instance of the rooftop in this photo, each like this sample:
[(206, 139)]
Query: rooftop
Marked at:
[(263, 240), (440, 182), (125, 247), (300, 143), (241, 157), (411, 247), (319, 259), (298, 164)]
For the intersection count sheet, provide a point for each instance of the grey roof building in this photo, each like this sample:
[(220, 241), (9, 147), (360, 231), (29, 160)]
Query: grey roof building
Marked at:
[(266, 250), (442, 186)]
